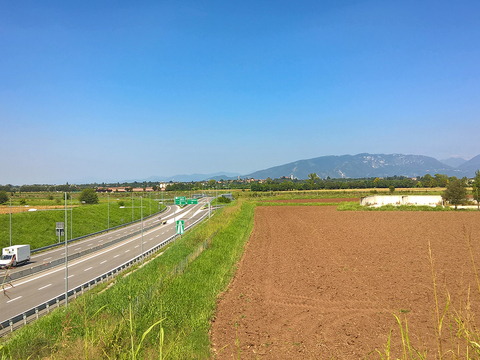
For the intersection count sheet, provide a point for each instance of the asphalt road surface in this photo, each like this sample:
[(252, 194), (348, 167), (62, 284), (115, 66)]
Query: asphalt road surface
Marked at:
[(33, 290)]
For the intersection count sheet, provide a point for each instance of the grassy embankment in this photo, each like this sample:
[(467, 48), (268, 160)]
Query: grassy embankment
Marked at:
[(111, 324), (37, 228)]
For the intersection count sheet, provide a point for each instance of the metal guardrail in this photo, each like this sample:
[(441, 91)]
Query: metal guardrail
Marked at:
[(95, 233), (50, 264), (34, 313)]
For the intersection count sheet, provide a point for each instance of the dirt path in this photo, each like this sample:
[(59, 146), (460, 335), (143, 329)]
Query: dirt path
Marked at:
[(302, 201), (18, 209), (315, 283)]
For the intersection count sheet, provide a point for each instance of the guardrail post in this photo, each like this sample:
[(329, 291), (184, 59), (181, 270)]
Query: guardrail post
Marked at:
[(74, 293), (24, 319), (36, 312), (48, 308), (11, 326), (58, 302)]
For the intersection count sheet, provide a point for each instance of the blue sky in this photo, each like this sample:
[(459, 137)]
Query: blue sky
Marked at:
[(122, 90)]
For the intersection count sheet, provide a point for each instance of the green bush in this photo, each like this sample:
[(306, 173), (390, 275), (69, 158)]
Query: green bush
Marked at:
[(224, 200), (3, 197), (88, 196)]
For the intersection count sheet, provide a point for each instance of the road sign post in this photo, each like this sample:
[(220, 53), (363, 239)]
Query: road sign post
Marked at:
[(180, 227), (59, 229)]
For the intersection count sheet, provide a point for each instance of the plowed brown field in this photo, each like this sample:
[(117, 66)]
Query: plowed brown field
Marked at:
[(316, 283)]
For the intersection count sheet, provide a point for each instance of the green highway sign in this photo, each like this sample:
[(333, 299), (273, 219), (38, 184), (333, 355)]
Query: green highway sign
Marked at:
[(192, 201), (180, 200), (180, 227)]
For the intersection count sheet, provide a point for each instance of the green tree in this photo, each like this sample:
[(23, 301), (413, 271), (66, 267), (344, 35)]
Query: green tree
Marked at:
[(211, 182), (456, 192), (476, 188), (392, 189), (311, 179), (3, 197), (89, 196)]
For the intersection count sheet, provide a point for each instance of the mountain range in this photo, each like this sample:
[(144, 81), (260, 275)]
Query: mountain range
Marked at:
[(351, 166), (368, 165)]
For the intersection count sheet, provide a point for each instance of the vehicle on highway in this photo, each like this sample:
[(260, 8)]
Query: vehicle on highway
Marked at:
[(15, 255)]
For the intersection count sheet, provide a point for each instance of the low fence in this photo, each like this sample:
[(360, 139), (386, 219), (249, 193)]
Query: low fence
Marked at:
[(380, 200), (34, 313)]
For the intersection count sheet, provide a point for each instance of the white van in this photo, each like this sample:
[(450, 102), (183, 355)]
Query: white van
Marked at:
[(15, 255)]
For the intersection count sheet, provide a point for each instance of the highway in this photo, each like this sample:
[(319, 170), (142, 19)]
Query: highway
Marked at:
[(33, 290)]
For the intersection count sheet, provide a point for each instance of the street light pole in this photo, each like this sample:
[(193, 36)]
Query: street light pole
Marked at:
[(10, 221), (132, 206), (141, 215), (108, 211), (66, 255)]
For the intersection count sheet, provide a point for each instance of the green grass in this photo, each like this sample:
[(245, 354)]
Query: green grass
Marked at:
[(110, 324), (37, 228)]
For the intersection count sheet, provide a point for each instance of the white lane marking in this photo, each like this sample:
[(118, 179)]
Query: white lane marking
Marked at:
[(69, 277), (13, 299), (116, 256), (127, 251), (89, 245), (144, 242), (91, 267), (100, 240), (99, 253), (62, 254), (43, 287), (47, 258), (137, 246), (77, 248), (104, 261), (151, 238), (110, 237)]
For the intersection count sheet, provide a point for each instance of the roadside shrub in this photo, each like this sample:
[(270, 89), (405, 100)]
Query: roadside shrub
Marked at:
[(121, 203), (89, 196), (23, 201), (3, 197), (223, 199)]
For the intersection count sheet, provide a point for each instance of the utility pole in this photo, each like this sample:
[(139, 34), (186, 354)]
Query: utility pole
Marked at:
[(141, 216)]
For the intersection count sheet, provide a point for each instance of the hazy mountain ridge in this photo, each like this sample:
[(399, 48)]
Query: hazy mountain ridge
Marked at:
[(453, 161)]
